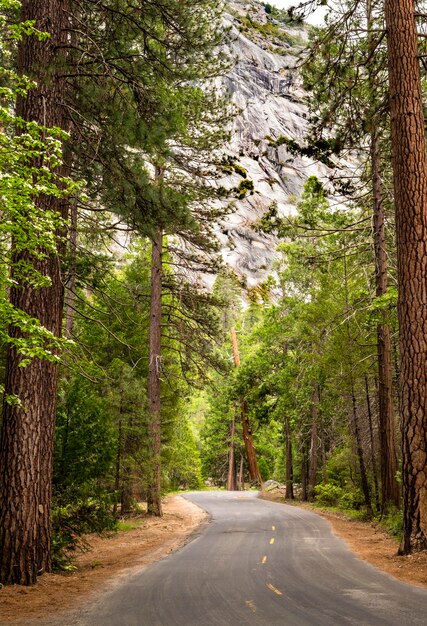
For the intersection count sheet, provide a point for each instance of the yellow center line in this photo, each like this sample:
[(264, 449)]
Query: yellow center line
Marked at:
[(273, 528), (264, 559), (273, 588), (271, 541)]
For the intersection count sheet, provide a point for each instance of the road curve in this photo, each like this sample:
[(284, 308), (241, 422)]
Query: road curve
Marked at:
[(259, 563)]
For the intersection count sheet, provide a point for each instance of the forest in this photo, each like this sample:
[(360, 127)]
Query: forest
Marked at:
[(141, 354)]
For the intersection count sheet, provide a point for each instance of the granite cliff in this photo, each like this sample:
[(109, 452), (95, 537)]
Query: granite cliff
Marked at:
[(265, 86)]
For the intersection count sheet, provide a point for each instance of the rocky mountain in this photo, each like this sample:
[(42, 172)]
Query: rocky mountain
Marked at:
[(265, 85)]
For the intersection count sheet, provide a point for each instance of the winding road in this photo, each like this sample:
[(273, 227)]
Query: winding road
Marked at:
[(259, 563)]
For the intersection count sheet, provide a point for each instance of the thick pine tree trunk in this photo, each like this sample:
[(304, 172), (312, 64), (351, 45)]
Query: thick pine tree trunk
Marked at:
[(313, 457), (246, 426), (26, 446), (390, 489), (410, 191), (154, 503)]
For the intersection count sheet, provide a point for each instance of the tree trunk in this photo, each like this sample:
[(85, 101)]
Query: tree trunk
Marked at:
[(126, 496), (118, 463), (410, 192), (154, 504), (304, 474), (354, 420), (289, 475), (231, 480), (26, 446), (372, 441), (246, 427), (70, 291), (390, 489), (240, 482), (359, 451), (323, 452), (312, 473)]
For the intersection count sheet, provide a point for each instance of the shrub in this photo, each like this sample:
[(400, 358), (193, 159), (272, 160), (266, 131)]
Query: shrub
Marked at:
[(393, 522), (329, 494), (352, 499), (263, 469), (74, 517)]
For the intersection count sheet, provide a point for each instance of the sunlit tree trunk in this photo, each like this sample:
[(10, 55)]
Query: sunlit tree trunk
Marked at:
[(410, 192)]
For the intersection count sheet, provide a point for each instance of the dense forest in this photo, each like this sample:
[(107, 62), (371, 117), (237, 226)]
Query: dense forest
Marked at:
[(138, 356)]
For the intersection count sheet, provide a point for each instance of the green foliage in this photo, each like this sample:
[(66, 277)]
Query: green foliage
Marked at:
[(85, 436), (245, 187), (263, 469), (329, 494), (183, 464), (272, 31), (75, 514), (393, 522)]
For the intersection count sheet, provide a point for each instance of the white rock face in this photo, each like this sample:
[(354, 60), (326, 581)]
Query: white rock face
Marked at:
[(265, 85)]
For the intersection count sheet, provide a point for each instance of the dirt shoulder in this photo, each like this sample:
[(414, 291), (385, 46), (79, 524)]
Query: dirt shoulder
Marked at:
[(372, 544), (108, 559)]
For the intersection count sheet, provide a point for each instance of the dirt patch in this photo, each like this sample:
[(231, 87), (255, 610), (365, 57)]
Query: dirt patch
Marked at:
[(109, 558), (372, 544)]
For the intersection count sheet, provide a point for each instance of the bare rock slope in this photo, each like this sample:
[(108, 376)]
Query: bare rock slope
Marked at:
[(265, 85)]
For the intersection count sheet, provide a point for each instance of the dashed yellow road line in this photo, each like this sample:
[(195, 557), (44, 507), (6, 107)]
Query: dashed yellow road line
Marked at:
[(273, 528), (251, 605), (271, 541), (264, 559), (273, 588)]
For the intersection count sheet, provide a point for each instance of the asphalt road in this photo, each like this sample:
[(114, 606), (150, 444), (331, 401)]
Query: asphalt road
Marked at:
[(259, 563)]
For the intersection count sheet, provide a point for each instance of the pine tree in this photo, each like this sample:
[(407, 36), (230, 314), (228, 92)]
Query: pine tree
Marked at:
[(28, 422), (410, 192)]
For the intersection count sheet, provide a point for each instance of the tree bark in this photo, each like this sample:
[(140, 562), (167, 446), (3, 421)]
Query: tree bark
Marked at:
[(323, 452), (118, 463), (246, 426), (410, 192), (313, 457), (289, 473), (354, 420), (372, 441), (26, 447), (231, 479), (70, 291), (359, 450), (389, 487), (304, 473), (154, 503), (240, 482)]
